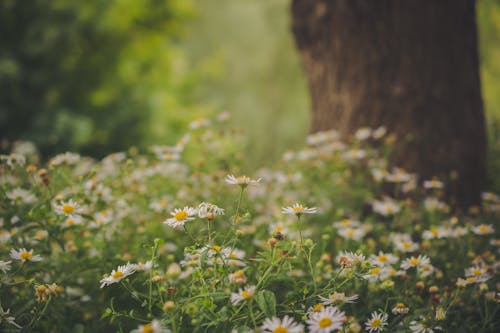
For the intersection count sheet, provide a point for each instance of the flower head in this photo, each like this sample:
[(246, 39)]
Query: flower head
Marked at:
[(242, 181), (338, 298), (153, 327), (298, 209), (120, 273), (328, 319), (68, 208), (209, 211), (377, 322), (242, 295), (24, 255), (285, 325), (180, 217)]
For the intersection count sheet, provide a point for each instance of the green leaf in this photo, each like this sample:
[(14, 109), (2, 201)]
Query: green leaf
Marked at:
[(107, 313), (267, 302)]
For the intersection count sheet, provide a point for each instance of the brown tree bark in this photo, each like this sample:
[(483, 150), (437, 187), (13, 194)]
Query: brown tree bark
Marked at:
[(409, 65)]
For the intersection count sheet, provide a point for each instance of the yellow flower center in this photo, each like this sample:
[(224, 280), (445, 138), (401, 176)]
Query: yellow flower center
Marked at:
[(298, 208), (414, 261), (345, 222), (350, 232), (390, 209), (148, 328), (406, 245), (470, 279), (25, 255), (325, 322), (70, 222), (217, 248), (376, 322), (278, 229), (117, 275), (68, 209), (477, 272), (245, 294), (375, 270), (483, 228), (163, 202), (382, 258), (180, 215), (280, 329), (318, 307), (239, 274)]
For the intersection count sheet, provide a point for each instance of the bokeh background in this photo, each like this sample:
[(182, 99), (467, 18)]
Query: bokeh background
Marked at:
[(99, 76)]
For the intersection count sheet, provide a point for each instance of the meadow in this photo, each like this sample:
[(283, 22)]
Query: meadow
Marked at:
[(331, 238)]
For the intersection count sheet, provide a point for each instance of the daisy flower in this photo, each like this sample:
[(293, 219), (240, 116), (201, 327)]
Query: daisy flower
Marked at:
[(209, 211), (180, 217), (242, 295), (298, 209), (348, 259), (419, 261), (352, 233), (153, 327), (338, 298), (242, 181), (120, 273), (327, 320), (386, 207), (5, 265), (285, 325), (483, 229), (238, 277), (347, 223), (5, 317), (24, 255), (433, 184), (68, 208), (400, 308), (422, 327), (383, 259), (377, 322)]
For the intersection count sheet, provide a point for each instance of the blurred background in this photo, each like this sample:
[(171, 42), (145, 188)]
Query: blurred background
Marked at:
[(99, 76)]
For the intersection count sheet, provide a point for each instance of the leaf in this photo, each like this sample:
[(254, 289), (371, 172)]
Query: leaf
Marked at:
[(107, 313), (267, 302)]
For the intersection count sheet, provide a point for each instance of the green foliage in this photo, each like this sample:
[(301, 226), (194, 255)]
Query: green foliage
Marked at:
[(90, 75), (108, 263)]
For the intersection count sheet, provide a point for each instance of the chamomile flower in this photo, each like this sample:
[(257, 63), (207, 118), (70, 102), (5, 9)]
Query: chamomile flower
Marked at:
[(242, 295), (285, 325), (68, 208), (144, 267), (483, 229), (400, 308), (209, 211), (5, 265), (180, 217), (422, 327), (238, 277), (338, 298), (5, 317), (478, 273), (120, 273), (404, 243), (242, 181), (153, 327), (386, 207), (347, 223), (24, 255), (377, 322), (21, 195), (348, 259), (352, 233), (298, 209), (383, 259), (433, 184), (327, 320), (419, 261)]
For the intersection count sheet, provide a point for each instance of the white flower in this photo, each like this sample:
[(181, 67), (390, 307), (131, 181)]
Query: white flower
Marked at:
[(398, 176), (298, 209), (404, 243), (4, 317), (348, 259), (243, 181), (400, 308), (5, 265), (483, 229), (386, 207), (352, 233), (338, 298), (347, 223), (73, 221), (433, 184), (120, 273), (419, 261), (24, 255), (422, 327), (327, 320), (383, 259), (379, 132), (285, 325), (180, 217), (209, 211), (242, 295), (363, 133), (21, 195), (153, 327), (143, 267), (68, 208), (478, 273), (377, 322)]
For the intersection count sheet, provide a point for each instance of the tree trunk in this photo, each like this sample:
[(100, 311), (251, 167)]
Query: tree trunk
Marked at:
[(411, 66)]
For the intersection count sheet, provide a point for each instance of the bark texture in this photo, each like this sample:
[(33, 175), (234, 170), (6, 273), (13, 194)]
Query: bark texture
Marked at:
[(411, 66)]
